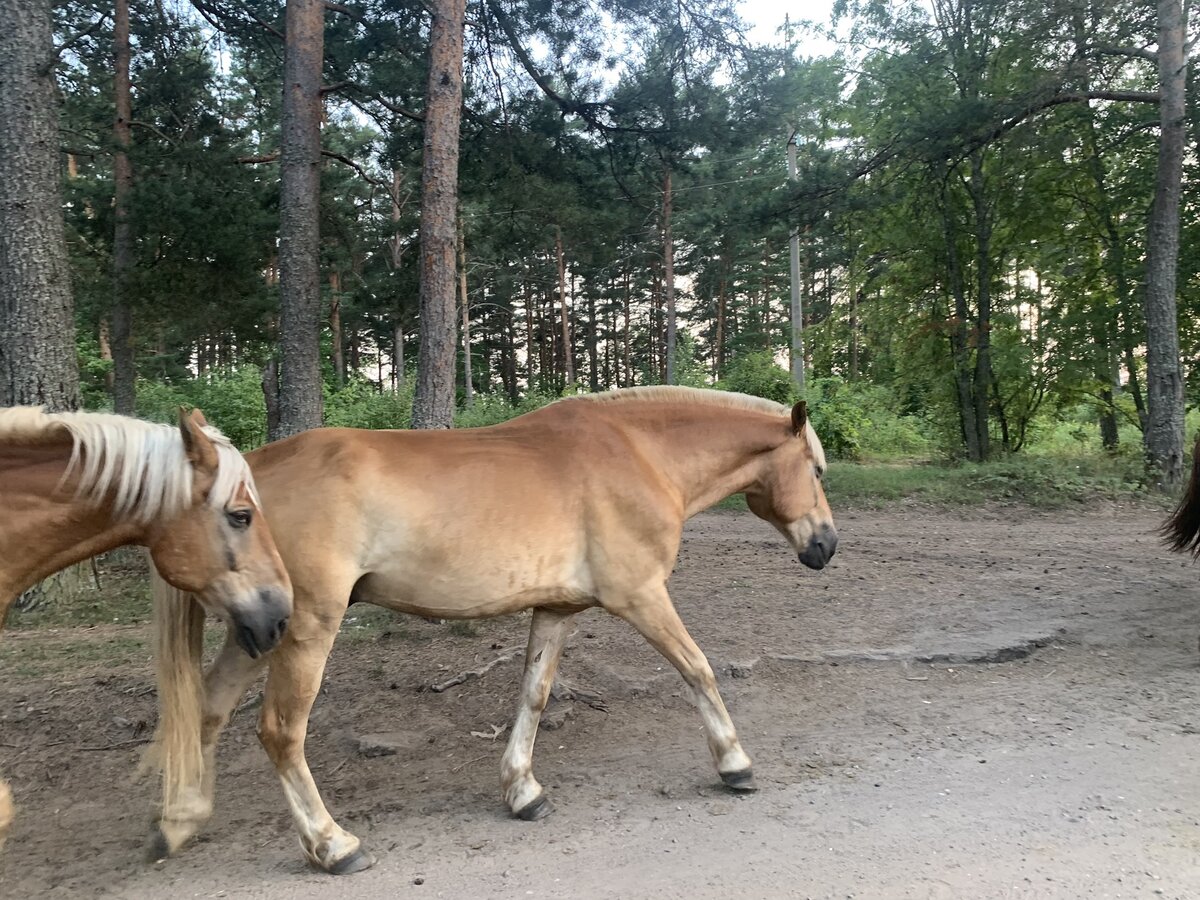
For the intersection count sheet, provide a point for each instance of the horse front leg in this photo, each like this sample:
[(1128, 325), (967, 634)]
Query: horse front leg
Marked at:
[(6, 811), (296, 669), (653, 614), (224, 685), (547, 636)]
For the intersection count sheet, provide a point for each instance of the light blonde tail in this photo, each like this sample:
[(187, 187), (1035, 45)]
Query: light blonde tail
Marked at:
[(178, 658)]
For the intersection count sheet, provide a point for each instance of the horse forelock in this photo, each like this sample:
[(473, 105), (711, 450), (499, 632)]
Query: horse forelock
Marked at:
[(141, 467)]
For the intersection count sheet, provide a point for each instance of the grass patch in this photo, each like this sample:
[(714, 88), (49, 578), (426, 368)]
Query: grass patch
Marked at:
[(1045, 482), (1042, 482)]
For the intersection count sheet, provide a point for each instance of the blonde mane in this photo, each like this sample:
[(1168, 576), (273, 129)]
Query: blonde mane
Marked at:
[(702, 397), (680, 394), (142, 467)]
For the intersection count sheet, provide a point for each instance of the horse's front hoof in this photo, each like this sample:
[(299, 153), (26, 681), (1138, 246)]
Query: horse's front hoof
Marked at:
[(742, 782), (158, 847), (357, 861), (536, 809)]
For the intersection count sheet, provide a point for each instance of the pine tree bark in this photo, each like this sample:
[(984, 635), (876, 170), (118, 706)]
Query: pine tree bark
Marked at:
[(468, 379), (433, 403), (38, 364), (397, 247), (337, 350), (668, 279), (1164, 382), (565, 311), (299, 220), (124, 368), (983, 304)]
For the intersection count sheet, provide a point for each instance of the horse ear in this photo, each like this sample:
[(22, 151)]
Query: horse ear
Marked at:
[(799, 416), (196, 444)]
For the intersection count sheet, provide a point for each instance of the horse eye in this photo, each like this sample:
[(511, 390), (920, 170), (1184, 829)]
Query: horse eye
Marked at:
[(240, 518)]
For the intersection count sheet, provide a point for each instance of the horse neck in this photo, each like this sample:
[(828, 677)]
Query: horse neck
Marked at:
[(49, 528), (706, 453)]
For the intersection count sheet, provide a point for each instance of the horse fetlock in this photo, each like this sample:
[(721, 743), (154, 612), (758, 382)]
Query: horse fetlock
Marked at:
[(732, 759), (525, 797)]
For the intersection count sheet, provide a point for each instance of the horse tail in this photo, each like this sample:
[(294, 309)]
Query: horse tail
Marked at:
[(1182, 530), (178, 652)]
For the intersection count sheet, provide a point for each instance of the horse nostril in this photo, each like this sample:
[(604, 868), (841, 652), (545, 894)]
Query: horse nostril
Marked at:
[(281, 629)]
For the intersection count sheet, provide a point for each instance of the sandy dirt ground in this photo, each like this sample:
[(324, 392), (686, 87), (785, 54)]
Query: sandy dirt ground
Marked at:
[(997, 704)]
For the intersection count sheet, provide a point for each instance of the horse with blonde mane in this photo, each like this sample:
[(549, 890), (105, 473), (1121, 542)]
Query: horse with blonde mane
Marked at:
[(576, 505), (73, 485)]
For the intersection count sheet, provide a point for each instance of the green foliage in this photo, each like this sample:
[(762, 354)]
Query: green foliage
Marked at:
[(756, 373), (232, 401), (361, 404), (856, 420), (492, 409)]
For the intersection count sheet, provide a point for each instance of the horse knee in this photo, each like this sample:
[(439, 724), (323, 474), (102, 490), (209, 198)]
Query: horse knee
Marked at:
[(276, 737)]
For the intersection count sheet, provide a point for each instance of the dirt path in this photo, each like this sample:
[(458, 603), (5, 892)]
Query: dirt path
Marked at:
[(1002, 705)]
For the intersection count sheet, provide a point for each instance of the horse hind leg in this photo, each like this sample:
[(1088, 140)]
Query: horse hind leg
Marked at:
[(296, 669), (224, 685), (654, 616), (547, 637), (6, 812)]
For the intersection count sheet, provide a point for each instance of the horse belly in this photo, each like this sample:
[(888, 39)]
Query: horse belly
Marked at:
[(478, 587)]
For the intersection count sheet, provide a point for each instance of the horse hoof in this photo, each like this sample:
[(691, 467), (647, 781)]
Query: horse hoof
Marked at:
[(742, 782), (357, 861), (159, 848), (536, 809)]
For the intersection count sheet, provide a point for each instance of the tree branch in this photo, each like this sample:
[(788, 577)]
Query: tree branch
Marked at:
[(57, 52), (1132, 52), (345, 11)]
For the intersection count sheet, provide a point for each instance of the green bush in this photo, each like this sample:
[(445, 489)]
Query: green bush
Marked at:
[(232, 401), (360, 404), (758, 374)]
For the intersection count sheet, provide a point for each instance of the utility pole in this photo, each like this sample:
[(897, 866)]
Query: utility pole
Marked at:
[(797, 310)]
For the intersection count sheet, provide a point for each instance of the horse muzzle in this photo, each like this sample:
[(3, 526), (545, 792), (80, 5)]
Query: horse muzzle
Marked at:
[(821, 547), (261, 627)]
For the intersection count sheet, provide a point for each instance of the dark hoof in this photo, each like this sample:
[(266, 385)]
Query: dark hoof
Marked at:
[(357, 861), (158, 849), (536, 809), (742, 781)]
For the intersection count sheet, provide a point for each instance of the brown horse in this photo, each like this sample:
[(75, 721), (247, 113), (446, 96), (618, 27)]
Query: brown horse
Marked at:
[(1182, 529), (579, 504), (76, 484)]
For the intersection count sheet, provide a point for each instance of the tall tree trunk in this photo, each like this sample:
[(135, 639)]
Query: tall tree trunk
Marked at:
[(530, 336), (565, 311), (124, 370), (468, 381), (299, 220), (1164, 382), (592, 348), (335, 327), (433, 404), (270, 388), (38, 364), (959, 338), (397, 247), (398, 354), (626, 352), (856, 296), (668, 278), (983, 311)]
